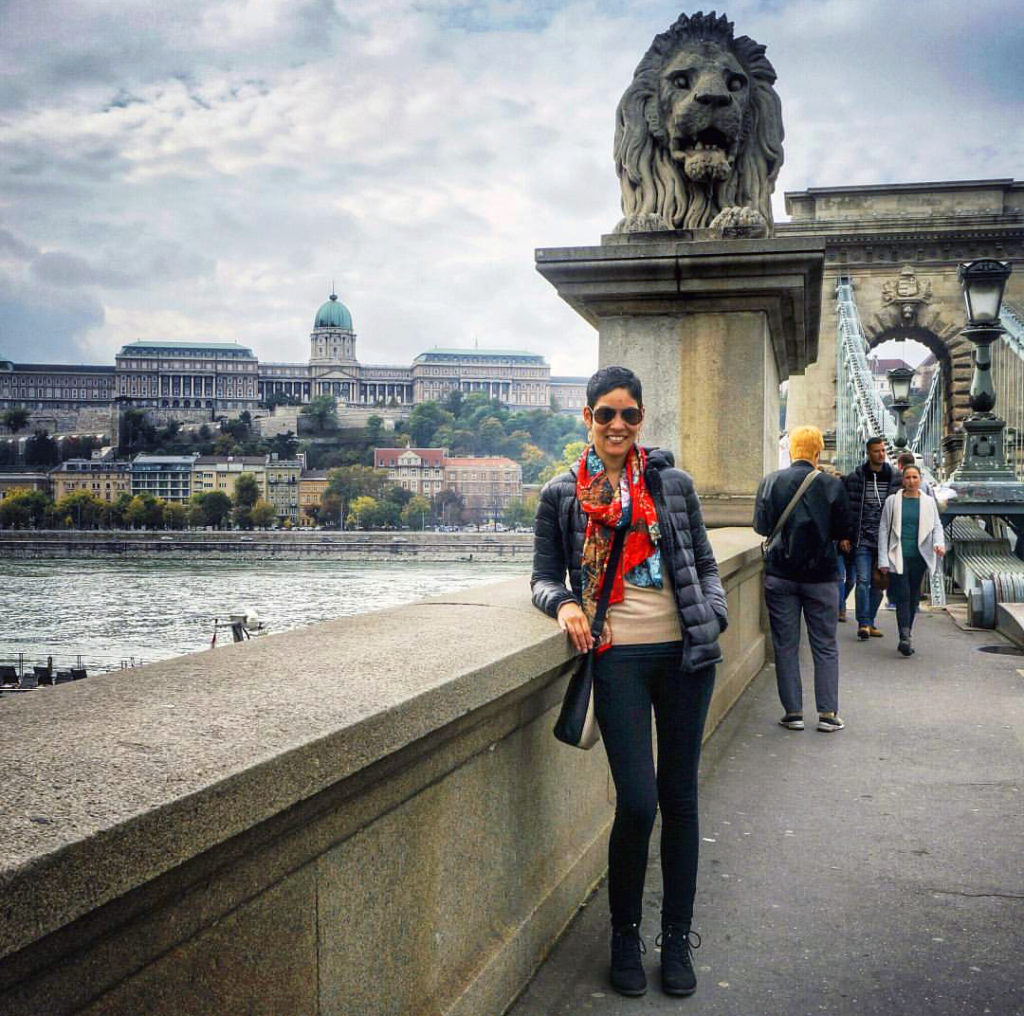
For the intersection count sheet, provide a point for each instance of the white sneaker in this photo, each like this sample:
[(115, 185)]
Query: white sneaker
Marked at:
[(829, 722)]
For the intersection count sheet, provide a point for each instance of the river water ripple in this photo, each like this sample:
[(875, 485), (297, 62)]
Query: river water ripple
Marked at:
[(112, 613)]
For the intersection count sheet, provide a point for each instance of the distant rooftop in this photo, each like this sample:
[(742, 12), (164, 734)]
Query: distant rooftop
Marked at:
[(480, 354), (161, 344), (70, 368)]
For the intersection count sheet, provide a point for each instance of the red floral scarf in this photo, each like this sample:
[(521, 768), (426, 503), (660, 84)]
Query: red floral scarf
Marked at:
[(603, 507)]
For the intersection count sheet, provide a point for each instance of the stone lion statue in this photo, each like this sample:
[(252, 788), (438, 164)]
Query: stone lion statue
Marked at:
[(698, 134)]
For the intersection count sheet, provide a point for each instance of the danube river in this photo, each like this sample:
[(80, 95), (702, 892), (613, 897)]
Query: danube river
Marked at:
[(117, 612)]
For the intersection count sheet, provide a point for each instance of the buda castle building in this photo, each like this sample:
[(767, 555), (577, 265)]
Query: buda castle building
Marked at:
[(226, 378)]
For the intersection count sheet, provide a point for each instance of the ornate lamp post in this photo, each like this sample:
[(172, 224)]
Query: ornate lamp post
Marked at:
[(983, 282), (900, 379)]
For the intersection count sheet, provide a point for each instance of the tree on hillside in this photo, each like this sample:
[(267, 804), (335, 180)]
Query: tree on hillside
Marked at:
[(374, 430), (283, 445), (323, 411), (41, 450), (490, 436), (16, 419), (424, 421)]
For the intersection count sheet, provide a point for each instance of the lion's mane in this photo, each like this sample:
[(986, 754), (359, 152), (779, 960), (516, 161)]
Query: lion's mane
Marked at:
[(653, 184)]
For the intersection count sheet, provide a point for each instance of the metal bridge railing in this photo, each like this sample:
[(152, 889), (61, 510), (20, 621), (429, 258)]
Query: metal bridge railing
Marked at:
[(860, 412), (927, 439), (1008, 378)]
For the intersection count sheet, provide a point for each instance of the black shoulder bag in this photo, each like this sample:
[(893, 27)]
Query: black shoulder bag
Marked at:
[(766, 547), (577, 725)]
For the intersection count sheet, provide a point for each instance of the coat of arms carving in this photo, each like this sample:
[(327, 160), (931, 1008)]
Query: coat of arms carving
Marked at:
[(905, 295)]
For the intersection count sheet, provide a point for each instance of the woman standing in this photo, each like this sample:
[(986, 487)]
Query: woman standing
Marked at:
[(658, 651), (910, 542)]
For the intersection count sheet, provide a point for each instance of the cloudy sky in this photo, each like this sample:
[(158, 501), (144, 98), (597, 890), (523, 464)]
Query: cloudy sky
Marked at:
[(202, 169)]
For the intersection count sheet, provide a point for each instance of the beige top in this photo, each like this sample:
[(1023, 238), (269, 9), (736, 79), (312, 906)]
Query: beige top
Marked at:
[(646, 615)]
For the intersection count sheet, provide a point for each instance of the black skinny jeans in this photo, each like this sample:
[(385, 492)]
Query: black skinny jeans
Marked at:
[(905, 591), (628, 681)]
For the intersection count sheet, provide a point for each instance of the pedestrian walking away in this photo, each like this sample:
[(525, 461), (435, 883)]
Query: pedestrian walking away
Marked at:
[(657, 652), (867, 487), (912, 542), (804, 513)]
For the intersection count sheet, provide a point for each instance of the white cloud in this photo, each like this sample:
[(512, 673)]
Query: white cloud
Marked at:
[(204, 169)]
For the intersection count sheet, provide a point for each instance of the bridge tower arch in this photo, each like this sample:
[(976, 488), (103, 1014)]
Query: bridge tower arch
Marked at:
[(899, 246)]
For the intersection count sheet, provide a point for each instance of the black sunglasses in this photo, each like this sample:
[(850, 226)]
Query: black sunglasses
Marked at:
[(605, 414)]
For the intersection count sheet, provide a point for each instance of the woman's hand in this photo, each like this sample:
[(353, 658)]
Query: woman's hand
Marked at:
[(574, 623), (884, 571), (940, 551)]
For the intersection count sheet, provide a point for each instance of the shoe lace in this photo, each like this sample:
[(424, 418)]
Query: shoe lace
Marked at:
[(677, 941)]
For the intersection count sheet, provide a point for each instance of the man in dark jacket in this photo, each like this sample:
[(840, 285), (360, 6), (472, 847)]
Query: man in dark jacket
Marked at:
[(867, 488), (800, 576)]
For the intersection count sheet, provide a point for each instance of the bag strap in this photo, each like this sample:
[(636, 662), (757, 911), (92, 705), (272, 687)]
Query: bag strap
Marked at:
[(609, 580), (794, 501)]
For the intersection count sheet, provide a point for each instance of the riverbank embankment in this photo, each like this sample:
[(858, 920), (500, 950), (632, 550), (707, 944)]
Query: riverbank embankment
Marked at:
[(354, 546)]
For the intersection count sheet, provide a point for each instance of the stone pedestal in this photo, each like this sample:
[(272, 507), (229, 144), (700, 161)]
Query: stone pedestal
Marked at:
[(711, 327)]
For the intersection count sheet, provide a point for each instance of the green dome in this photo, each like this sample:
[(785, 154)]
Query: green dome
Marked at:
[(333, 314)]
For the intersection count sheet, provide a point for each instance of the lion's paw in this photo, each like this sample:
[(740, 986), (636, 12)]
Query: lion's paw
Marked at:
[(739, 221), (647, 222)]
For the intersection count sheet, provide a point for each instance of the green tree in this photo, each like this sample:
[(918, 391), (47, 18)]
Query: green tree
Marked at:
[(449, 507), (263, 514), (284, 445), (136, 512), (23, 508), (453, 402), (397, 494), (175, 515), (424, 421), (346, 483), (116, 511), (323, 411), (247, 490), (417, 512), (490, 436), (16, 419), (216, 506), (84, 510), (374, 429), (41, 450), (362, 512), (521, 512)]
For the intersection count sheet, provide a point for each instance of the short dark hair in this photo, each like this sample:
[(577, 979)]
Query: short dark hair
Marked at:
[(906, 459), (607, 379), (873, 440)]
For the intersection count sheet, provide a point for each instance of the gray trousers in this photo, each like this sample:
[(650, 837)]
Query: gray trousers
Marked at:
[(785, 600)]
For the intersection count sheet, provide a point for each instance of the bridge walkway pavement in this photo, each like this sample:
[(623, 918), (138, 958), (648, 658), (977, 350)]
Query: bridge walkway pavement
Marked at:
[(877, 870)]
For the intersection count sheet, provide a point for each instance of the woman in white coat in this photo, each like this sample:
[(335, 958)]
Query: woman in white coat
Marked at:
[(910, 541)]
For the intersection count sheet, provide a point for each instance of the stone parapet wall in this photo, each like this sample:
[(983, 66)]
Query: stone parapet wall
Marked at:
[(347, 819)]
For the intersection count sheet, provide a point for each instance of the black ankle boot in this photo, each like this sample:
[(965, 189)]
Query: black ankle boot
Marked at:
[(627, 973), (677, 945)]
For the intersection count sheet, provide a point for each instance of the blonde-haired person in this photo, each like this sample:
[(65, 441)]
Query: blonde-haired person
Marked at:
[(801, 571), (910, 542)]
